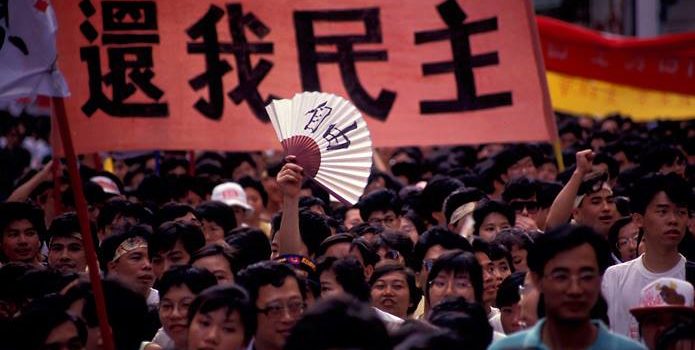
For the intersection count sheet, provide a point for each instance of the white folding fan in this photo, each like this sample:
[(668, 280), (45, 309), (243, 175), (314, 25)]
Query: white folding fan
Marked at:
[(330, 139)]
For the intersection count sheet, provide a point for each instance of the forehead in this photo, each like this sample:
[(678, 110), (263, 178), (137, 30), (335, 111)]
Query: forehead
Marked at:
[(661, 199), (582, 256), (380, 213), (495, 218), (21, 224), (216, 259), (289, 289), (602, 193), (138, 251), (65, 240), (393, 276)]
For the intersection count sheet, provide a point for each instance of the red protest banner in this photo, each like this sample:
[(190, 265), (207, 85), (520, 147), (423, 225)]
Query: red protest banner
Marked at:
[(197, 74)]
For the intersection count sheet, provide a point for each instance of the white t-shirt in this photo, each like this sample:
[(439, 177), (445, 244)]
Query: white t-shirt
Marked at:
[(621, 288)]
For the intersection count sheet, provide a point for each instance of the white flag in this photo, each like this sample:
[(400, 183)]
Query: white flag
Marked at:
[(28, 51)]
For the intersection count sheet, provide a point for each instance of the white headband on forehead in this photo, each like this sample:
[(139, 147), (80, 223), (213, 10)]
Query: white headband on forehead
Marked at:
[(128, 246), (578, 200), (461, 212)]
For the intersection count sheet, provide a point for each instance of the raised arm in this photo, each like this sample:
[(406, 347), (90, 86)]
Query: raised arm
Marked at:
[(561, 210), (22, 193), (290, 181)]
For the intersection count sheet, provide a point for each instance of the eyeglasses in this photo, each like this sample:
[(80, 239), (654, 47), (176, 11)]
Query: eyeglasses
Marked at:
[(525, 289), (277, 310), (530, 206), (458, 283), (564, 278), (392, 254), (625, 241), (427, 264)]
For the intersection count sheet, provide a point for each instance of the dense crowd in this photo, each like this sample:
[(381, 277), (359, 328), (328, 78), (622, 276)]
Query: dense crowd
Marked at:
[(461, 247)]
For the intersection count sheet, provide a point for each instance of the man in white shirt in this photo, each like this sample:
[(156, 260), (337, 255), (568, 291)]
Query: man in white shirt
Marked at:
[(660, 209)]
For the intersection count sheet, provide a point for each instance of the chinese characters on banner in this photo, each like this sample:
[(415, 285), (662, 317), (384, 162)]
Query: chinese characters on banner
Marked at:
[(191, 74)]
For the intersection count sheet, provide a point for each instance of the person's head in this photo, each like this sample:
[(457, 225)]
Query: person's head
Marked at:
[(455, 273), (459, 206), (412, 225), (491, 276), (44, 325), (431, 245), (381, 207), (221, 318), (365, 253), (21, 230), (250, 246), (312, 203), (491, 217), (352, 217), (518, 243), (547, 192), (433, 195), (278, 297), (176, 212), (216, 219), (118, 215), (522, 196), (529, 298), (660, 209), (366, 231), (177, 289), (125, 257), (393, 289), (172, 244), (396, 246), (336, 245), (313, 229), (664, 303), (342, 276), (256, 196), (66, 251), (466, 319), (664, 159), (231, 194), (594, 205), (508, 302), (218, 260), (12, 295), (339, 322), (515, 161), (566, 265), (623, 237)]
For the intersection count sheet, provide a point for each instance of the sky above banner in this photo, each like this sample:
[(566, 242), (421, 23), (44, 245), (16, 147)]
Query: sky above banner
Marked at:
[(196, 74)]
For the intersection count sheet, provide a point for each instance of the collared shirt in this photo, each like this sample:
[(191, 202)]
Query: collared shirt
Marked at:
[(532, 339)]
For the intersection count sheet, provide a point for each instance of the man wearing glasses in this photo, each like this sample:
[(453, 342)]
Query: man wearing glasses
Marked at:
[(279, 297), (566, 266)]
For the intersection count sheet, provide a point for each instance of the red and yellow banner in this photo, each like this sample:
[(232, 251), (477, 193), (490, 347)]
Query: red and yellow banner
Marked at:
[(597, 74)]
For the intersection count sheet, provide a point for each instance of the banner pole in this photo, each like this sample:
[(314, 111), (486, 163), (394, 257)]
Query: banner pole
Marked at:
[(557, 147), (81, 206), (57, 173), (191, 162)]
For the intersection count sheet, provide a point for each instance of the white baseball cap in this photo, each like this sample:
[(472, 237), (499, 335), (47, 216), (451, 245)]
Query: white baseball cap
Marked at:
[(231, 194), (665, 294)]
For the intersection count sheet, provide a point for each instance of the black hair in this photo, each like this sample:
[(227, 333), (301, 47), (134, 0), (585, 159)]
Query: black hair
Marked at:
[(514, 236), (15, 211), (494, 250), (195, 279), (412, 171), (364, 228), (547, 192), (508, 292), (459, 198), (153, 190), (313, 229), (66, 224), (417, 221), (32, 327), (433, 195), (332, 323), (415, 293), (318, 192), (36, 283), (458, 261), (123, 208), (367, 251), (306, 202), (107, 249), (266, 273), (249, 182), (660, 154), (348, 273), (611, 163), (520, 188), (166, 236), (396, 240), (437, 236), (646, 188), (250, 246), (675, 334), (563, 238), (173, 211), (380, 200), (486, 207), (170, 164), (614, 234), (231, 298), (510, 155), (215, 249), (433, 339), (466, 319), (333, 240), (219, 213), (10, 273)]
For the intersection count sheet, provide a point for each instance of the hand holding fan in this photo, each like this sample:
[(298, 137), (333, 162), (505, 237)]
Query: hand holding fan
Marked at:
[(329, 138)]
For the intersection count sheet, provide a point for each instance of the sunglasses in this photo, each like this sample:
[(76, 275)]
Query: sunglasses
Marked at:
[(530, 206)]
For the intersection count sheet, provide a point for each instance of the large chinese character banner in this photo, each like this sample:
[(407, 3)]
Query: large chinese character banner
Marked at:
[(192, 74)]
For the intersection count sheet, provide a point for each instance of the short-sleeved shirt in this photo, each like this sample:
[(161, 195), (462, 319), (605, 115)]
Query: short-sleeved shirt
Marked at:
[(531, 339)]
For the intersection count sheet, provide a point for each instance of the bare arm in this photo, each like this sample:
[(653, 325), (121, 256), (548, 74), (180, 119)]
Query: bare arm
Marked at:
[(561, 210), (22, 193), (290, 181)]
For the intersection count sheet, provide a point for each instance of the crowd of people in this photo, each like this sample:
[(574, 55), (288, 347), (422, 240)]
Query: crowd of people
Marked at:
[(462, 247)]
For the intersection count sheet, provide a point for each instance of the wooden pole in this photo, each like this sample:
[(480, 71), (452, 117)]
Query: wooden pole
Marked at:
[(81, 206)]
